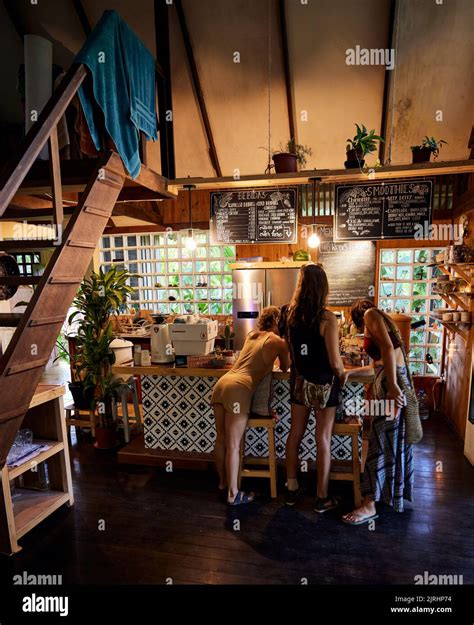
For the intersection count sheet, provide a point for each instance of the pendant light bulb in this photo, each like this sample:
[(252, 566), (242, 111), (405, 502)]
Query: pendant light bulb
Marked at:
[(190, 243), (314, 240)]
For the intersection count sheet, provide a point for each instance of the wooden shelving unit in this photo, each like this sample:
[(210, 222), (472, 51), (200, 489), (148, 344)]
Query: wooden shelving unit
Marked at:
[(458, 299), (26, 507)]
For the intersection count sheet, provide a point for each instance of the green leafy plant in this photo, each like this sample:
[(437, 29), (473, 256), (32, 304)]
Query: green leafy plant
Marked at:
[(227, 336), (99, 297), (432, 144), (299, 150), (364, 142)]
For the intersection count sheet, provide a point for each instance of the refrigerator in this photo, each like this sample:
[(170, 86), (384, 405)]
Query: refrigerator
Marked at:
[(255, 288)]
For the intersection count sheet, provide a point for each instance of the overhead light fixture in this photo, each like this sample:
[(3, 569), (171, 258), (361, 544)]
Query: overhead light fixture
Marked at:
[(314, 240), (190, 242)]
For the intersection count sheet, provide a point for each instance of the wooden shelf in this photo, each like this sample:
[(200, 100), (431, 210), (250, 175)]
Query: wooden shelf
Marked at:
[(55, 447), (455, 329), (449, 298), (28, 507), (33, 506)]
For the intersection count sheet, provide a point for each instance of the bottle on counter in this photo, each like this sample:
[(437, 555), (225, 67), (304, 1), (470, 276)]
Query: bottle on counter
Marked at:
[(137, 355), (146, 358)]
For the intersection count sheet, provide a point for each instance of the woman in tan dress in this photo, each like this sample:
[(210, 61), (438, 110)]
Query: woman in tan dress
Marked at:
[(232, 398)]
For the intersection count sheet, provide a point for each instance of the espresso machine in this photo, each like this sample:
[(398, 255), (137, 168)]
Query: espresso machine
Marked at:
[(161, 348)]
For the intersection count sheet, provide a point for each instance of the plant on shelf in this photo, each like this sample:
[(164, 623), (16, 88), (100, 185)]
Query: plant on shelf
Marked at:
[(363, 143), (422, 153), (99, 297), (228, 337), (289, 156)]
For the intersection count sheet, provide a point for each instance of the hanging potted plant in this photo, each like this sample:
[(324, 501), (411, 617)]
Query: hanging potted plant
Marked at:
[(422, 153), (290, 156), (98, 298), (363, 143)]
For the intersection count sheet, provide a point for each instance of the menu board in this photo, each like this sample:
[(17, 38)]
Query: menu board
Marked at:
[(350, 268), (254, 216), (382, 210)]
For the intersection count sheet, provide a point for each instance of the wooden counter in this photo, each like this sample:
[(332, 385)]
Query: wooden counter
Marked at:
[(179, 419), (168, 370)]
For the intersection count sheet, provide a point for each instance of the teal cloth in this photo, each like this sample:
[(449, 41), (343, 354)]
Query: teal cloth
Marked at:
[(120, 91)]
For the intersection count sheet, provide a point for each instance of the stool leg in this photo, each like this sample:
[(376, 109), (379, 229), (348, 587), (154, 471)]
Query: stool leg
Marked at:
[(241, 466), (272, 462), (126, 423), (136, 406), (92, 420), (356, 469)]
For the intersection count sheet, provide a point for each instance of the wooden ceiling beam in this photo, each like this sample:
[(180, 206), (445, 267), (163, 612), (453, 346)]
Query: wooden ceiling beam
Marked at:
[(197, 87), (286, 68), (145, 211), (11, 7), (163, 85), (82, 15)]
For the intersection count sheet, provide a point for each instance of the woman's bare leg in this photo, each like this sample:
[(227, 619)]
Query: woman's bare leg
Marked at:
[(234, 430), (299, 421), (219, 446), (324, 425)]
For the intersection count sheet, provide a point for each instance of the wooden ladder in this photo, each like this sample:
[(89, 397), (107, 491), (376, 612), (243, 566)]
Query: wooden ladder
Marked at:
[(37, 328)]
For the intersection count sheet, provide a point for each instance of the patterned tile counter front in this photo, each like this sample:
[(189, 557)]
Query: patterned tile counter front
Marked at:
[(178, 416)]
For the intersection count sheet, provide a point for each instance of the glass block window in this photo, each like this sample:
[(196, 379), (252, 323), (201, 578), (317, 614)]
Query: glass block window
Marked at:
[(406, 285), (173, 279), (29, 263)]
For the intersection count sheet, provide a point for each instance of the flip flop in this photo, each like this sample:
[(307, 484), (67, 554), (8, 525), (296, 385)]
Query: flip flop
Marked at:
[(241, 498), (362, 519)]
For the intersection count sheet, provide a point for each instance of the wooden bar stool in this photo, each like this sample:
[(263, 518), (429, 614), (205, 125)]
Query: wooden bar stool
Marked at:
[(123, 421), (269, 462), (80, 418), (349, 470)]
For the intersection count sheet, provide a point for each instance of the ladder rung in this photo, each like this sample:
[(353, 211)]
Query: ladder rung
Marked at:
[(27, 366), (65, 280), (44, 321), (14, 414), (110, 182), (93, 210), (19, 280), (86, 244), (10, 320), (27, 244)]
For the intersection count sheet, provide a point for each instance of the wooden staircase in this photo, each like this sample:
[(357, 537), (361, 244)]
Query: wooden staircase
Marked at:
[(100, 183)]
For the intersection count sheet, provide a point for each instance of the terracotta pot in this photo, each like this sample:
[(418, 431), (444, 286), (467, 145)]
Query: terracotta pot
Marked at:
[(354, 159), (105, 438), (285, 162), (421, 155)]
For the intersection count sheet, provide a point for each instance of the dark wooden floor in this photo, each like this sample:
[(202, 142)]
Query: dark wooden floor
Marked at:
[(162, 525)]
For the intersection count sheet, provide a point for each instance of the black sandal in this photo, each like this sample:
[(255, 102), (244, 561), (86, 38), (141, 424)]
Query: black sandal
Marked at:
[(322, 504)]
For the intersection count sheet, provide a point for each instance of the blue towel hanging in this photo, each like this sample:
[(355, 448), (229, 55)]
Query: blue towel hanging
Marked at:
[(122, 84)]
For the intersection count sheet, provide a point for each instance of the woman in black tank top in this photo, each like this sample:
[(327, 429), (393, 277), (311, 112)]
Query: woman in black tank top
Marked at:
[(312, 334)]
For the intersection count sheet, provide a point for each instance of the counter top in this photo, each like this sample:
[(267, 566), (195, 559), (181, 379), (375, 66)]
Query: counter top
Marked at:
[(167, 370)]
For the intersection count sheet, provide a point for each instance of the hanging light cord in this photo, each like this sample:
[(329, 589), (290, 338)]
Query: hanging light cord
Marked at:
[(269, 84)]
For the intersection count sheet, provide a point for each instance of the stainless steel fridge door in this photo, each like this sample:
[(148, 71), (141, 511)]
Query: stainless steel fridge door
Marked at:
[(248, 300), (280, 285)]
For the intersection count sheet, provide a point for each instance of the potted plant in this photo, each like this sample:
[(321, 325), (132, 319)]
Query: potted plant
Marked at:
[(364, 142), (290, 156), (98, 298), (422, 153), (228, 337)]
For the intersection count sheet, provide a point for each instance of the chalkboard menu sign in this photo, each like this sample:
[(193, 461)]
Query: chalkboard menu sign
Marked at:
[(382, 210), (254, 216), (350, 268)]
